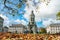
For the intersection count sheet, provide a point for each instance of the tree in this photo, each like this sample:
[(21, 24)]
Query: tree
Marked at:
[(58, 16), (8, 5), (42, 30)]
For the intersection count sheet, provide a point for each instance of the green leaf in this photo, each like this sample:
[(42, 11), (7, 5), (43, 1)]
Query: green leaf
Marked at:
[(19, 5), (58, 14)]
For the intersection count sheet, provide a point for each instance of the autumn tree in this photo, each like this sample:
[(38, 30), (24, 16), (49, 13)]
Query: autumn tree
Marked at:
[(58, 16), (42, 30)]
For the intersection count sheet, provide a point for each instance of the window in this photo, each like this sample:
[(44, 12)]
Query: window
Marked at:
[(32, 22), (32, 19), (1, 20)]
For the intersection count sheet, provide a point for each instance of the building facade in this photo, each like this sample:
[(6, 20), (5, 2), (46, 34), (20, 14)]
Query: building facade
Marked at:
[(17, 28), (1, 24), (53, 28), (32, 27), (5, 29)]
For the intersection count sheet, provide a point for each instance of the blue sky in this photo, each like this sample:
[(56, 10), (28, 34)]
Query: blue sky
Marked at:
[(44, 13)]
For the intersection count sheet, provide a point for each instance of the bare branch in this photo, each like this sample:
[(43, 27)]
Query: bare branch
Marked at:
[(13, 10), (9, 8)]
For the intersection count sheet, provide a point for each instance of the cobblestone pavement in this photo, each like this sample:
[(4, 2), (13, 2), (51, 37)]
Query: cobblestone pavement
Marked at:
[(9, 36)]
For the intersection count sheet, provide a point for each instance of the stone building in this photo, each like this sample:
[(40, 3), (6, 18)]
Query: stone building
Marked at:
[(53, 28), (5, 29), (1, 24), (32, 27), (17, 28)]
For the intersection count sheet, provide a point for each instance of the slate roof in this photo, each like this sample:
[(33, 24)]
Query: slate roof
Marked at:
[(18, 25), (54, 24)]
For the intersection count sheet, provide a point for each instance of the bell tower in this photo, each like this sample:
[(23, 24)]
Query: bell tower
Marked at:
[(32, 27)]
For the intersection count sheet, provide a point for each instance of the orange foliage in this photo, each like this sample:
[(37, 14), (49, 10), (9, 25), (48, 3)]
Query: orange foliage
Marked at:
[(4, 36)]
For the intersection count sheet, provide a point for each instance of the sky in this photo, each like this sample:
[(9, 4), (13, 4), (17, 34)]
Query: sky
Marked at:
[(45, 12)]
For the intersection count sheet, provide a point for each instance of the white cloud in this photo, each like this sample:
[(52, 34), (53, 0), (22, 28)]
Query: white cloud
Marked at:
[(20, 22), (41, 10), (24, 22), (6, 20), (4, 17), (49, 21)]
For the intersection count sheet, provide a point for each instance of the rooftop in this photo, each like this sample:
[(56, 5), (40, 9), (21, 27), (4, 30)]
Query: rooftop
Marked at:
[(18, 25)]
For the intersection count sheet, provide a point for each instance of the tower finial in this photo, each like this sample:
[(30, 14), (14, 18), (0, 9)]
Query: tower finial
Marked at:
[(32, 11)]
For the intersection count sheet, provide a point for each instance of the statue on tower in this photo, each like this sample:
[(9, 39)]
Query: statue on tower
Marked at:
[(32, 27)]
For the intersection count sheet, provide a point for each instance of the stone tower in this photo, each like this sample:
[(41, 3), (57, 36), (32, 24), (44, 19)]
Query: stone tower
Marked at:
[(32, 27)]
